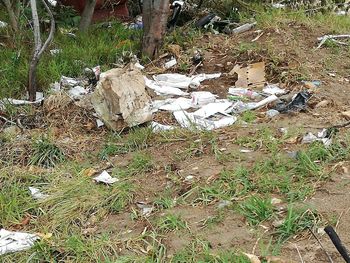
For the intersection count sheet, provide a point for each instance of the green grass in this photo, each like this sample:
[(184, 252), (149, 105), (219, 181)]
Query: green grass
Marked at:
[(171, 222), (46, 153), (107, 45), (256, 209)]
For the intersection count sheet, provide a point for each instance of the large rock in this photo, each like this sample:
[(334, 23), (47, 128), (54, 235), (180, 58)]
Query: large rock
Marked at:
[(120, 99)]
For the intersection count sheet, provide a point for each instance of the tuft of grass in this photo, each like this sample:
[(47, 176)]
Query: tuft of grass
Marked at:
[(296, 220), (46, 153), (248, 116), (256, 209), (171, 222)]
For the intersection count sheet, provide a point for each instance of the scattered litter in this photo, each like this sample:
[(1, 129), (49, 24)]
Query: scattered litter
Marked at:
[(213, 108), (104, 177), (202, 97), (176, 80), (298, 103), (170, 63), (224, 203), (70, 82), (99, 123), (15, 241), (243, 92), (274, 90), (331, 74), (191, 121), (272, 113), (279, 6), (146, 210), (138, 24), (157, 127), (189, 178), (39, 99), (177, 104), (139, 66), (3, 24), (246, 151), (332, 38), (77, 92), (243, 28), (55, 51), (121, 100), (322, 136), (164, 90), (257, 105), (52, 2), (251, 76), (36, 194)]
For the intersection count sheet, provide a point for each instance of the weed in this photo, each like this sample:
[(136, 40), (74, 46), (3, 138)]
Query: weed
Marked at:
[(46, 153), (164, 202), (171, 222), (248, 116), (141, 163), (296, 220), (256, 209)]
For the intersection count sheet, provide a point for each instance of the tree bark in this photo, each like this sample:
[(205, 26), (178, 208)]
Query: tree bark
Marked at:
[(155, 15), (12, 15), (38, 47), (87, 14)]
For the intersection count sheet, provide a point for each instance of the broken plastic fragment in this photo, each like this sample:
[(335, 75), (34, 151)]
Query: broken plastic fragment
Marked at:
[(170, 63), (272, 113), (274, 90), (55, 51), (104, 177), (146, 210), (202, 97), (77, 92), (163, 89), (99, 123), (177, 104), (3, 24), (36, 194), (15, 241), (157, 127)]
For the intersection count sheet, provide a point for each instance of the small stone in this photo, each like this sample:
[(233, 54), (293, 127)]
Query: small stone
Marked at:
[(224, 203), (346, 114), (322, 104), (276, 201)]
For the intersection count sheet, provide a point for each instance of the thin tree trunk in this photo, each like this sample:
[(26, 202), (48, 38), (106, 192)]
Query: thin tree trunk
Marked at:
[(38, 47), (87, 14), (12, 15), (155, 15)]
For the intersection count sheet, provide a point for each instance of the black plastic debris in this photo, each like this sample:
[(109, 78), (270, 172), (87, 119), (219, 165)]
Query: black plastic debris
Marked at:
[(337, 243), (205, 20), (299, 103), (176, 6)]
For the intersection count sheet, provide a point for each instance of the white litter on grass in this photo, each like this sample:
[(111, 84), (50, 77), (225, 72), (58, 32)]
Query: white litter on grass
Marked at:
[(99, 123), (256, 105), (55, 51), (146, 210), (77, 92), (15, 241), (39, 99), (202, 97), (157, 127), (272, 113), (242, 92), (139, 66), (3, 24), (180, 81), (177, 104), (170, 63), (36, 194), (190, 121), (104, 177), (164, 90), (321, 137), (246, 151), (212, 109), (69, 82), (52, 2), (274, 90)]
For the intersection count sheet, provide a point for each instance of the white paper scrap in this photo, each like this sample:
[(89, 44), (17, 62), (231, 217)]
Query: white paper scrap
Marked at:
[(36, 194), (104, 177), (15, 241)]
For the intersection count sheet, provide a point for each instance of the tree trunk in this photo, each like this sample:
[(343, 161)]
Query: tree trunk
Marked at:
[(12, 15), (38, 47), (87, 14), (155, 15)]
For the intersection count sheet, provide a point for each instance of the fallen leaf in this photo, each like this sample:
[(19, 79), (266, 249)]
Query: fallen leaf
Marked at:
[(89, 172), (24, 222)]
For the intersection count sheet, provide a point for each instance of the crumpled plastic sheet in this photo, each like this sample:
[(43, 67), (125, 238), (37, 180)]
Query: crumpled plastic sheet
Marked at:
[(15, 241)]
